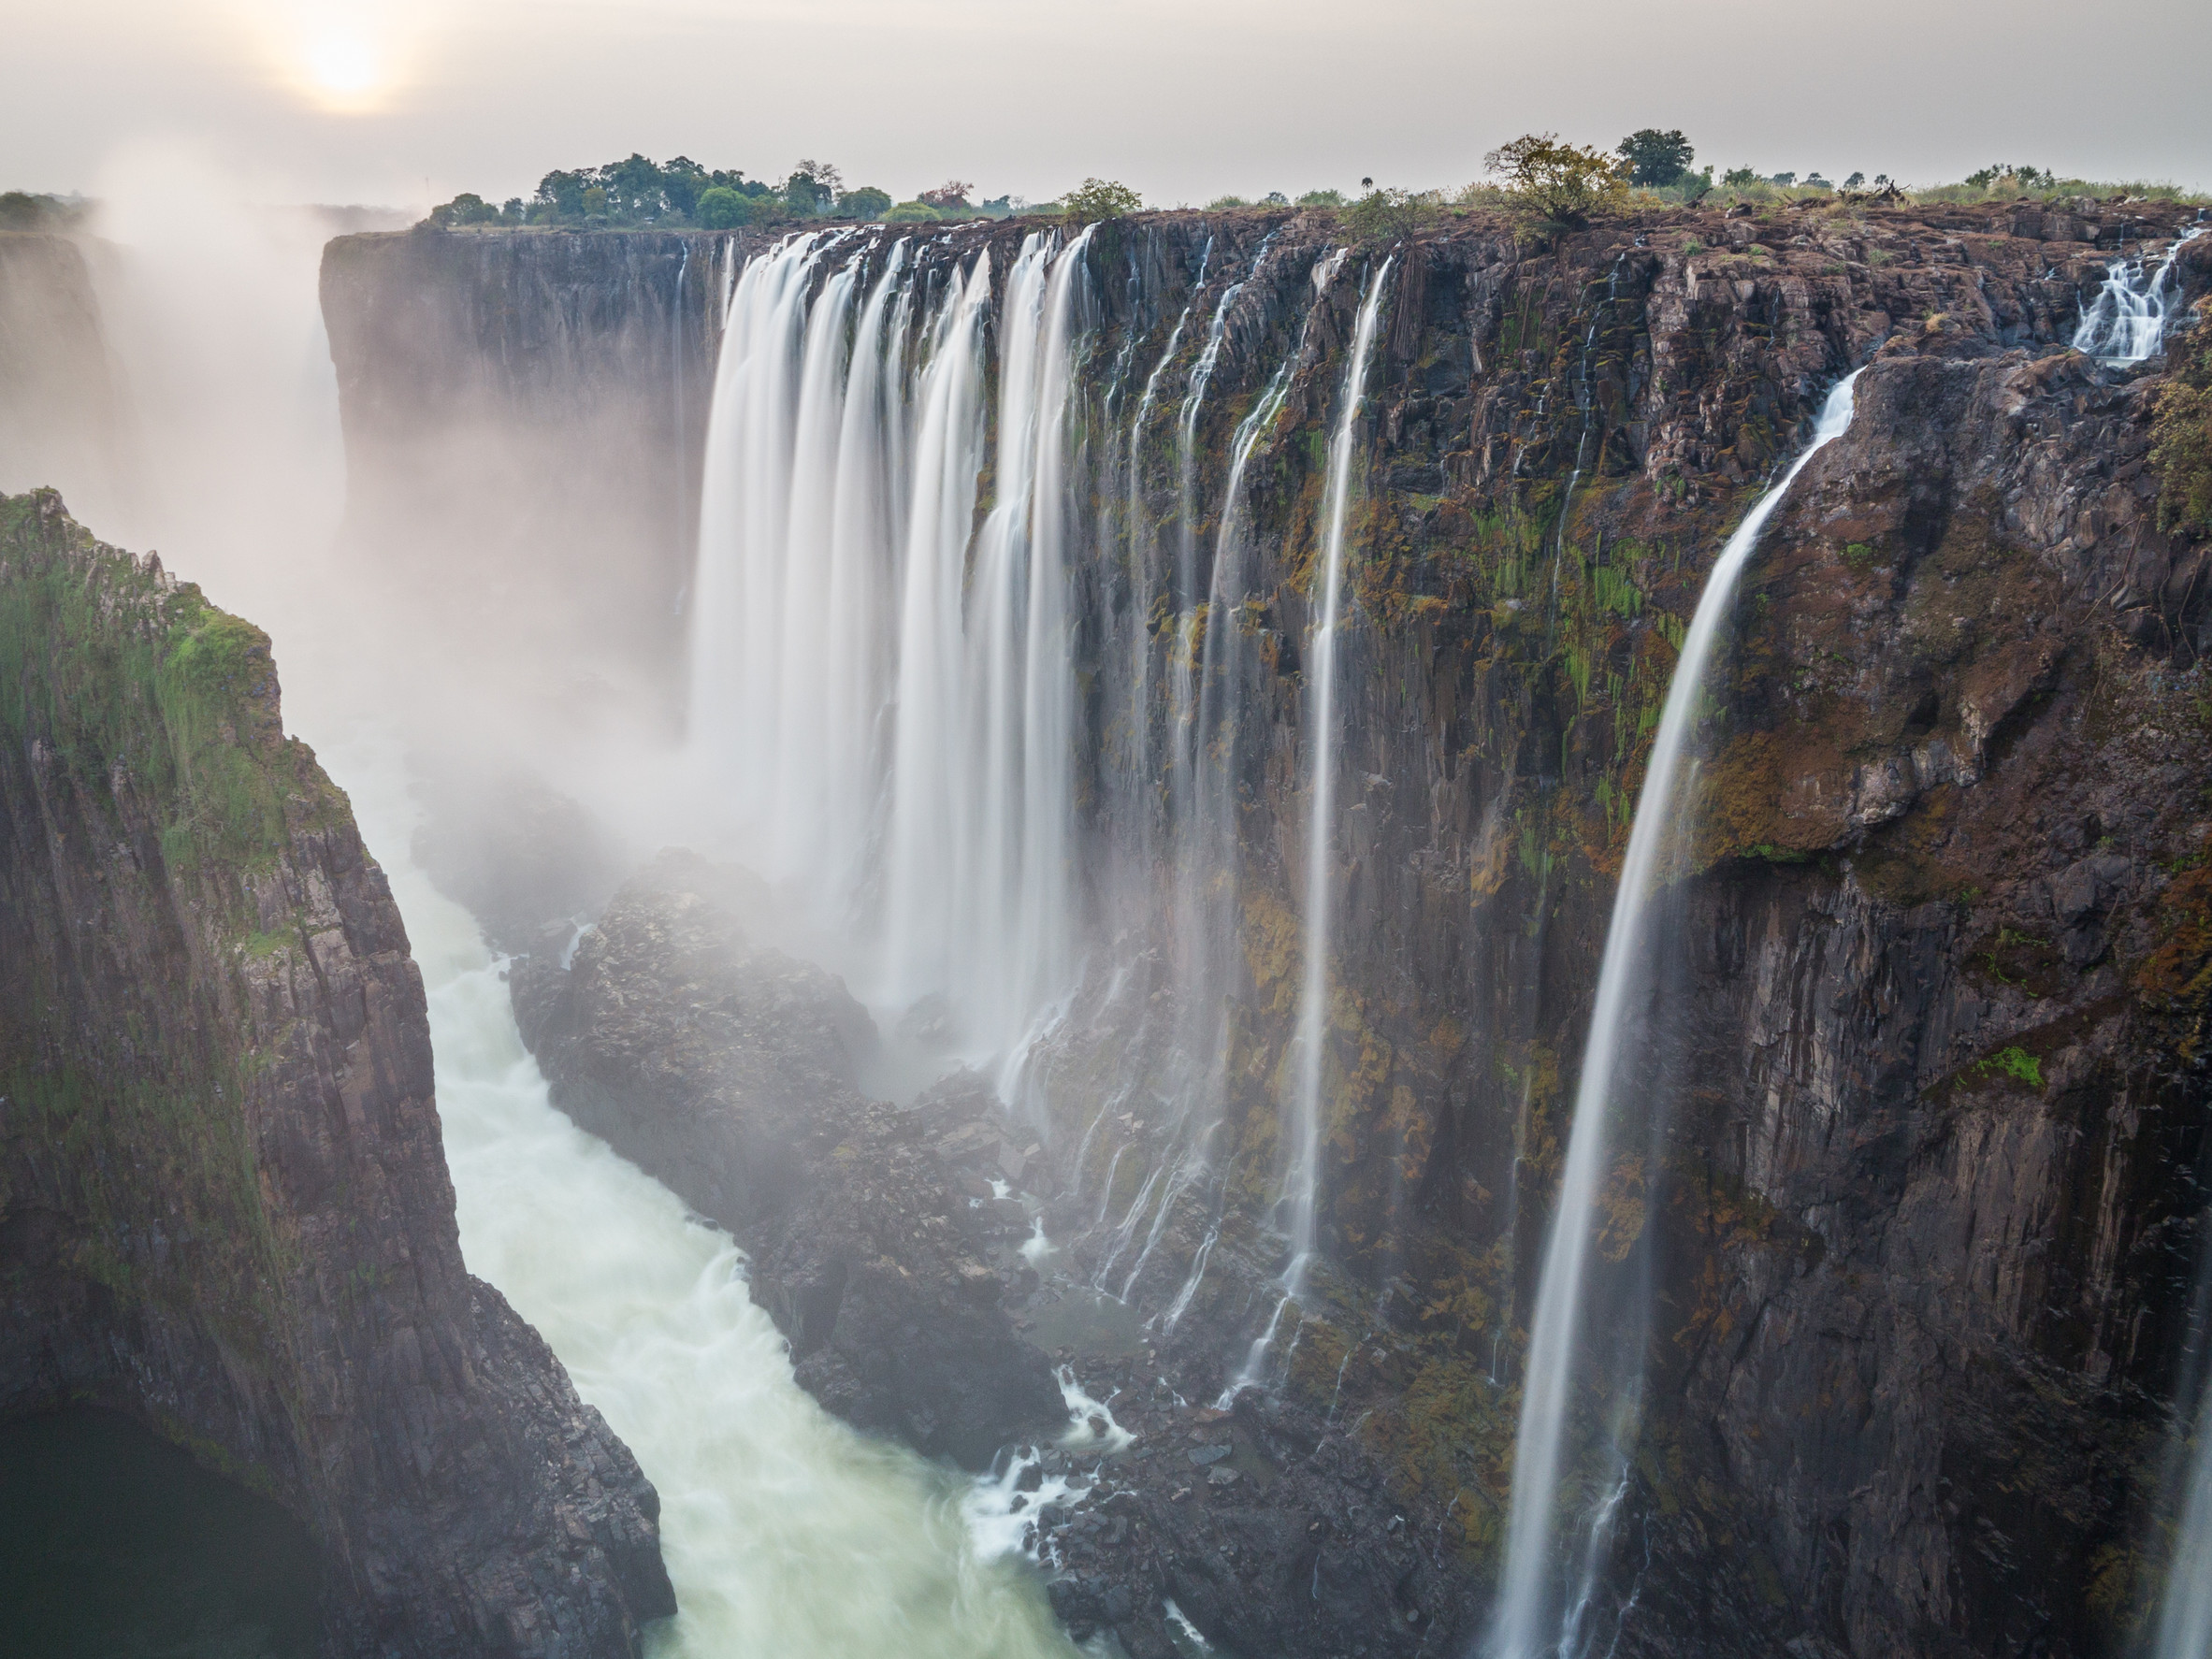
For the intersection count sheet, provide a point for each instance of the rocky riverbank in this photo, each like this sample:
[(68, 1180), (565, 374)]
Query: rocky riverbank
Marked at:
[(728, 1070)]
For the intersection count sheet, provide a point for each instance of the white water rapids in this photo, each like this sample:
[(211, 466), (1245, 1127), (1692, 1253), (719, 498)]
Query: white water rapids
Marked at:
[(786, 1533), (1528, 1621)]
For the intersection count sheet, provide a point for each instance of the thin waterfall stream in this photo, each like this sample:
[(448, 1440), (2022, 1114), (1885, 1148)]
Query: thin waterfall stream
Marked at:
[(1528, 1623), (1302, 1172)]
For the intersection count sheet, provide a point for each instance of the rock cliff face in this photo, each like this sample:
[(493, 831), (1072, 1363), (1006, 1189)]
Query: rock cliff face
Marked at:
[(60, 414), (523, 420), (1909, 1197), (224, 1204), (727, 1070)]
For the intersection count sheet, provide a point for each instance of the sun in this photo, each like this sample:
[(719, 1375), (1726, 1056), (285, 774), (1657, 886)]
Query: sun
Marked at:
[(342, 66), (343, 70)]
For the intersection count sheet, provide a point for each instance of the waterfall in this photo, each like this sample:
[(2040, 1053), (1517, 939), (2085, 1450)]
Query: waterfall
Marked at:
[(2185, 1614), (882, 691), (2128, 322), (1528, 1622), (1302, 1172)]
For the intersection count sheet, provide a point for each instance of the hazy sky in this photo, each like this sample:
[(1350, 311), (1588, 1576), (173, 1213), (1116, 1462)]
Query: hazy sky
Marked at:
[(402, 102)]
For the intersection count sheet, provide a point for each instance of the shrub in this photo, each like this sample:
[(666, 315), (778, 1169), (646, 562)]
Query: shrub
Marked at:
[(1321, 198), (1564, 183), (1737, 177), (867, 202), (1655, 158), (1223, 203), (2181, 447), (1392, 215), (952, 195), (723, 209), (1099, 198), (912, 213)]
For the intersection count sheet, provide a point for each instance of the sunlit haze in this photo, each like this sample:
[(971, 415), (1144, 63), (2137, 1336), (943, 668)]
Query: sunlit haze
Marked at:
[(401, 103)]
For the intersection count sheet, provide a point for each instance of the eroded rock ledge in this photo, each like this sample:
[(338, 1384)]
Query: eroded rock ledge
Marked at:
[(727, 1070), (224, 1201)]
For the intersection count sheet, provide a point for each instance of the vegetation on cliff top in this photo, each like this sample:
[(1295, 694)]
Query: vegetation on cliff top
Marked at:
[(680, 193)]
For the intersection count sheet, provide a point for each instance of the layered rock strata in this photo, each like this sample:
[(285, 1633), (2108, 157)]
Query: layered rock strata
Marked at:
[(224, 1203)]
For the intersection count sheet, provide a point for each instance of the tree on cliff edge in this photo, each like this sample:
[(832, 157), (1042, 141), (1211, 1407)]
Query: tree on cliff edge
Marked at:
[(1655, 159), (1555, 183)]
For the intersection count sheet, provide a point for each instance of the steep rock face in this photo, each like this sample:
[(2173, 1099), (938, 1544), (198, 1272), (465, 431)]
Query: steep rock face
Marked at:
[(523, 419), (60, 413), (223, 1205), (1908, 1175), (727, 1071)]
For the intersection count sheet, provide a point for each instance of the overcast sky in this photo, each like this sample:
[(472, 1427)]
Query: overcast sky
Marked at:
[(404, 102)]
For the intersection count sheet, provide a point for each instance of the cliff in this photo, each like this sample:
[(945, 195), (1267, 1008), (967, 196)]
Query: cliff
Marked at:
[(523, 418), (224, 1203), (1908, 1203), (60, 413)]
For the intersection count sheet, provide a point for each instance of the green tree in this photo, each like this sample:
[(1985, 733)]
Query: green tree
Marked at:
[(681, 181), (912, 213), (1655, 158), (1737, 177), (1392, 215), (867, 202), (1561, 183), (1099, 198), (1321, 198), (466, 208), (723, 209)]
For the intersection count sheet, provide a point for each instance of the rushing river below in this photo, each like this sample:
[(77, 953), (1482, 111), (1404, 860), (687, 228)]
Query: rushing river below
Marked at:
[(786, 1533)]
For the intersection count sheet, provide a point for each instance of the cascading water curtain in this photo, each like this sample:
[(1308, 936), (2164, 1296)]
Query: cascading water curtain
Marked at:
[(881, 692)]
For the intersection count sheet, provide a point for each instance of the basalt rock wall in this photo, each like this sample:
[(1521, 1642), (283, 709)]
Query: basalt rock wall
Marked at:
[(523, 418), (1906, 1210), (224, 1203)]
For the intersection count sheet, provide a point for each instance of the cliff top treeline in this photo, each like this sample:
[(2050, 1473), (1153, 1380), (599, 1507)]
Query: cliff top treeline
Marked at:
[(1536, 173)]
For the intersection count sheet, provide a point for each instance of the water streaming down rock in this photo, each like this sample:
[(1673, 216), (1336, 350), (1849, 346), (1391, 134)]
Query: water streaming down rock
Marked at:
[(850, 612), (1530, 1619), (2185, 1614), (1302, 1170), (2127, 323)]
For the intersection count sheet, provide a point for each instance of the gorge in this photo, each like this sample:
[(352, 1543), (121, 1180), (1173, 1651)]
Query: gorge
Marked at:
[(1173, 721)]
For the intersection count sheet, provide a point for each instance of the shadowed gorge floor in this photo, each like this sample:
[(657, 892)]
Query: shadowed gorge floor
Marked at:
[(115, 1545)]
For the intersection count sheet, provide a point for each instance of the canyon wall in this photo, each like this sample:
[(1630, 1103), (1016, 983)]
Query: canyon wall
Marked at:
[(223, 1201), (523, 418), (1908, 1202)]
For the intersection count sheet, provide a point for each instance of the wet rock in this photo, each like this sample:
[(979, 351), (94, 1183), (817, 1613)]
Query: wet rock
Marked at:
[(728, 1070)]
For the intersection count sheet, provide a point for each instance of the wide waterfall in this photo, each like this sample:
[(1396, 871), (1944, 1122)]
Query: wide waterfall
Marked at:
[(889, 707), (2128, 321), (1533, 1617)]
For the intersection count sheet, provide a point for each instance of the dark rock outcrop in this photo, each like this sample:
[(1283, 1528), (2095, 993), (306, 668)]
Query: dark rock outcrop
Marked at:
[(727, 1070), (224, 1204)]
